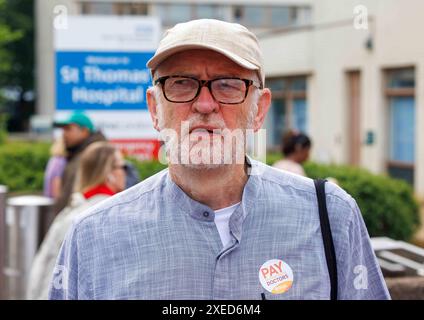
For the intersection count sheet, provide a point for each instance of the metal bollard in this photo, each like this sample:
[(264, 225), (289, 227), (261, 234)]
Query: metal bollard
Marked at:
[(3, 195), (27, 220)]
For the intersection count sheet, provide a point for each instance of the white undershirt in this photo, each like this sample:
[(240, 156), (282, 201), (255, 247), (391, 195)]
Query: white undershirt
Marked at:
[(222, 219)]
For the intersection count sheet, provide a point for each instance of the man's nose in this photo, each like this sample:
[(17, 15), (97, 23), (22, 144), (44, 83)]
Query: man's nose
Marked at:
[(205, 103)]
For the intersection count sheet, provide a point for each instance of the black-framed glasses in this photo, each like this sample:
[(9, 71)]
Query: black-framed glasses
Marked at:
[(181, 89)]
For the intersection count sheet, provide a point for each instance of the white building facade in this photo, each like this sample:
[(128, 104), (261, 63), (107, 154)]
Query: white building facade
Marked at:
[(363, 84)]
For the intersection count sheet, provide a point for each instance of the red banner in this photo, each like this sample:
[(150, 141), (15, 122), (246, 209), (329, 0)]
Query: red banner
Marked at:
[(141, 149)]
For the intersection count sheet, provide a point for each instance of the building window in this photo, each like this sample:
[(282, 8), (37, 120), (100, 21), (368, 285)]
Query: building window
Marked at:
[(171, 14), (84, 8), (252, 16), (97, 8), (270, 16), (280, 17), (110, 8), (238, 13), (289, 108), (400, 87), (255, 16), (303, 16), (139, 9), (209, 11)]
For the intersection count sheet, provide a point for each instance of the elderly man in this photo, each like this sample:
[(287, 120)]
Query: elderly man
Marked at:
[(215, 225)]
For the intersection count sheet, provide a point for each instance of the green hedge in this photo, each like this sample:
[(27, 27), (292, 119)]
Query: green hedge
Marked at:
[(147, 168), (22, 165), (388, 205)]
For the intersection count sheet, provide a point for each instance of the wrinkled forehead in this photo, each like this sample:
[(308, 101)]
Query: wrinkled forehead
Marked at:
[(201, 62)]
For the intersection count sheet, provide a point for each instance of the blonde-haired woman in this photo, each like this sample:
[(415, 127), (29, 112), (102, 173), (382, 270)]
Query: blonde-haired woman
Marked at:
[(101, 174)]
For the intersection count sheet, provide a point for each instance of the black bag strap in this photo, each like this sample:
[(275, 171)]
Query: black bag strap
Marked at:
[(330, 253)]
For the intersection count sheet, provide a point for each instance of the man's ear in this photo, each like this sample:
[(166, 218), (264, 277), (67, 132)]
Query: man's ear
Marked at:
[(264, 102), (152, 105)]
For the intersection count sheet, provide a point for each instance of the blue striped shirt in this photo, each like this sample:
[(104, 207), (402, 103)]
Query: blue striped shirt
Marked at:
[(155, 242)]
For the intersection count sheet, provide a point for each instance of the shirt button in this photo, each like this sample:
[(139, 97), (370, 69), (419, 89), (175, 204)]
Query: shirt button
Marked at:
[(206, 214)]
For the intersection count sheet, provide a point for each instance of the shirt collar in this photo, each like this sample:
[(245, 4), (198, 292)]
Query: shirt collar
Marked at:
[(202, 212)]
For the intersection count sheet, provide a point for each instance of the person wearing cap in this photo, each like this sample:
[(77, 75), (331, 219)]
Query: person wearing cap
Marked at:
[(215, 224), (78, 133)]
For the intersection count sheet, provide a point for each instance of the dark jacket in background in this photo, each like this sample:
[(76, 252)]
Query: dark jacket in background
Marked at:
[(71, 168), (132, 176)]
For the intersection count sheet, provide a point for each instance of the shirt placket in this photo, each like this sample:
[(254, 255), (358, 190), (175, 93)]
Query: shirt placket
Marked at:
[(224, 265)]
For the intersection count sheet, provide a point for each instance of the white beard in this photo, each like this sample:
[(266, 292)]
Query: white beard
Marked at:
[(205, 152), (213, 151)]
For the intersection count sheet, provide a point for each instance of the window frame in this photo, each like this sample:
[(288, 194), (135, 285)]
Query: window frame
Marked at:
[(389, 93), (288, 95), (85, 8), (268, 21)]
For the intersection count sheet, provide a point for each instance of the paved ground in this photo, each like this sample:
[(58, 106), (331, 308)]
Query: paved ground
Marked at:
[(407, 288)]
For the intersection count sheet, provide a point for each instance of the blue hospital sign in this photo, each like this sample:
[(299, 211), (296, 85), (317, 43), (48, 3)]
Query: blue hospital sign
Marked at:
[(102, 80), (101, 70)]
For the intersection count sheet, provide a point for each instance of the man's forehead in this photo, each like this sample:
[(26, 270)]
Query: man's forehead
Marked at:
[(192, 62)]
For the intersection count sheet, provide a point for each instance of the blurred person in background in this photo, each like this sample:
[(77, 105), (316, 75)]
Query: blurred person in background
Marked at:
[(78, 134), (100, 175), (296, 147), (54, 169), (133, 176)]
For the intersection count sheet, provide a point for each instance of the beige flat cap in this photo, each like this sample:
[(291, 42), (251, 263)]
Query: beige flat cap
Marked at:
[(232, 40)]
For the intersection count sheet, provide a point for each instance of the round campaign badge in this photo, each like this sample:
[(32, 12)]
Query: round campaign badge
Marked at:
[(276, 276)]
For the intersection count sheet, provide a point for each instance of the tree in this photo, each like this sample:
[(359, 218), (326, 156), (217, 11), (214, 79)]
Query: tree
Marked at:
[(17, 57), (7, 36)]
